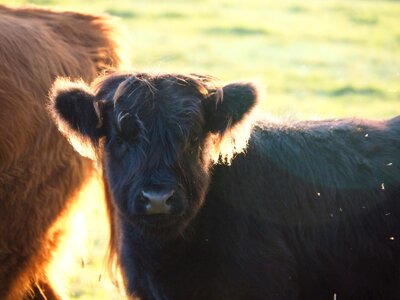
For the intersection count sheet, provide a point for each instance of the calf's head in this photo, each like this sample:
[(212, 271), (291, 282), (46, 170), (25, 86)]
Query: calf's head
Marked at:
[(151, 132)]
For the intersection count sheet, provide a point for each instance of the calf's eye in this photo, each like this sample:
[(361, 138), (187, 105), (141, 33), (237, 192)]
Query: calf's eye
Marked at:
[(117, 147), (119, 141), (194, 141)]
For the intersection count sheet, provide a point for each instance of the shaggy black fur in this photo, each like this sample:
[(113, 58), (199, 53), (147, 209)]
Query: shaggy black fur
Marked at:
[(307, 211)]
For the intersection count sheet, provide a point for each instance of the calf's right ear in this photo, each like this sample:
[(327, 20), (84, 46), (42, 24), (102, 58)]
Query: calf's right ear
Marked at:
[(77, 115)]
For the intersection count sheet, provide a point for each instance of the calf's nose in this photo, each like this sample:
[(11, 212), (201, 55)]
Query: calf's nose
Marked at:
[(157, 202)]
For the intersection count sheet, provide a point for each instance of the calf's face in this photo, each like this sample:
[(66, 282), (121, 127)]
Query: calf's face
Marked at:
[(151, 133)]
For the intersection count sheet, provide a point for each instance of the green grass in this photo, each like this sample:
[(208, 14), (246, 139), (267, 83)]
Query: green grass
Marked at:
[(313, 59)]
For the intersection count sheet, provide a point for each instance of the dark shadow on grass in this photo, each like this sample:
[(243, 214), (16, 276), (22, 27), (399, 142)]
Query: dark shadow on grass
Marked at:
[(350, 90), (171, 15), (236, 31), (296, 9), (126, 14), (364, 20), (41, 2)]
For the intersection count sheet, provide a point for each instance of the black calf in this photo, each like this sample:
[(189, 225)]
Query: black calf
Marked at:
[(309, 210)]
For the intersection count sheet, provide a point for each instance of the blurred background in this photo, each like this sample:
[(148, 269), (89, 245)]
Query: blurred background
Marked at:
[(312, 58)]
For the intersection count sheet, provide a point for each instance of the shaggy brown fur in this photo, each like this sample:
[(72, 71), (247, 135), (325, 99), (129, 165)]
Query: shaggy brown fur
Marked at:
[(40, 174)]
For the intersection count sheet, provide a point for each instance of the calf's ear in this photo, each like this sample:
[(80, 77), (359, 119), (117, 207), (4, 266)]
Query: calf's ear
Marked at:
[(228, 106), (77, 115)]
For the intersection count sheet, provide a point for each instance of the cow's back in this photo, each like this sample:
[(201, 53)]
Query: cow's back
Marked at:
[(329, 192)]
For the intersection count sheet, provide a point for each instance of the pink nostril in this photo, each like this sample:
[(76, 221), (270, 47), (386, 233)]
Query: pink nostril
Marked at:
[(169, 199), (157, 202), (143, 199)]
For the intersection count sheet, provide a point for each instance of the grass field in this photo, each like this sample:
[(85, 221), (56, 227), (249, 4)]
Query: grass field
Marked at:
[(314, 59)]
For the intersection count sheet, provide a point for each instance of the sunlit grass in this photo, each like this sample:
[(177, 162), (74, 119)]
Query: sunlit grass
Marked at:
[(80, 266), (337, 56), (312, 59)]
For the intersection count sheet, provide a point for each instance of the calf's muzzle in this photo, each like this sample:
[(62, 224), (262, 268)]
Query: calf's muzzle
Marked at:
[(157, 202)]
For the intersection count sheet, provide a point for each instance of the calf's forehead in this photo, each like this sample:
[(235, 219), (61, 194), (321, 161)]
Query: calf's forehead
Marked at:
[(159, 105), (156, 93)]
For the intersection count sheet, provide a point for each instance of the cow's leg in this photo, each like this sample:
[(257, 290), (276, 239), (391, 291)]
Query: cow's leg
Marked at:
[(13, 275), (44, 291), (16, 281), (22, 269)]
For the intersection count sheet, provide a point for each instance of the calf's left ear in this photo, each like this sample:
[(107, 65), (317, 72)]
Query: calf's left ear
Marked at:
[(74, 110), (229, 105)]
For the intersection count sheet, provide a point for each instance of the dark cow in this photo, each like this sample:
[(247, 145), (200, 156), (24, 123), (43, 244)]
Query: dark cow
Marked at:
[(40, 173), (309, 210)]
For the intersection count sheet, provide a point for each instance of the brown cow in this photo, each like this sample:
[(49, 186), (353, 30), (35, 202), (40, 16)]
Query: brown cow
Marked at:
[(40, 173)]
